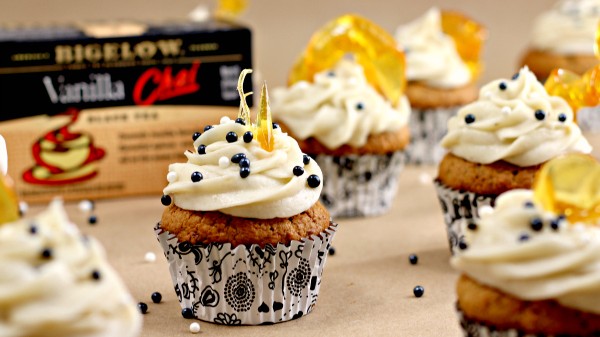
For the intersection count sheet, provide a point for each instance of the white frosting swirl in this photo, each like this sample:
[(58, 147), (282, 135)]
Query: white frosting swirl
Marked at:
[(270, 191), (505, 125), (431, 55), (58, 295), (560, 264), (339, 108), (569, 28)]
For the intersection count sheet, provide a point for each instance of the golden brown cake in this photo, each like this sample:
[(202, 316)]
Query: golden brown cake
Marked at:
[(542, 63)]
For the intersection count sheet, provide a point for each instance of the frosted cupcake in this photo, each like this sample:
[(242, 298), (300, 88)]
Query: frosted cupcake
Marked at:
[(439, 83), (355, 134), (244, 232), (57, 282), (564, 37), (498, 143), (527, 271)]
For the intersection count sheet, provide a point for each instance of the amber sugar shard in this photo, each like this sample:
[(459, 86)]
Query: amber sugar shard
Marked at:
[(578, 91), (230, 9), (372, 47), (468, 36), (9, 206), (570, 185), (264, 123)]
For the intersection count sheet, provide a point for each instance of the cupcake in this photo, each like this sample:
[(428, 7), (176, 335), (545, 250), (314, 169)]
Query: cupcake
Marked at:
[(564, 37), (528, 271), (243, 230), (439, 82), (498, 143), (57, 282)]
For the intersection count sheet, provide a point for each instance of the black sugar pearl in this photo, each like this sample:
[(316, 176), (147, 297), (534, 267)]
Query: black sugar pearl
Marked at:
[(469, 118), (313, 180), (360, 106), (305, 159), (528, 204), (231, 137), (208, 127), (187, 313), (244, 162), (248, 136), (165, 200), (156, 297), (196, 135), (331, 74), (462, 245), (523, 237), (472, 226), (515, 76), (275, 126), (202, 149), (92, 220), (562, 117), (555, 224), (33, 229), (418, 291), (244, 172), (237, 157), (540, 114), (536, 224), (413, 259), (143, 307), (240, 121), (298, 171), (196, 176), (96, 275), (331, 251), (502, 86), (46, 253)]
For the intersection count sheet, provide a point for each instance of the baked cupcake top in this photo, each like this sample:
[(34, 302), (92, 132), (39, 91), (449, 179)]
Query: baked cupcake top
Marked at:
[(431, 55), (52, 276), (532, 254), (232, 172), (568, 28), (515, 121), (338, 108)]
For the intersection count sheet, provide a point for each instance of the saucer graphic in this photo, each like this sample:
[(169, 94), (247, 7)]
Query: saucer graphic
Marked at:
[(64, 157)]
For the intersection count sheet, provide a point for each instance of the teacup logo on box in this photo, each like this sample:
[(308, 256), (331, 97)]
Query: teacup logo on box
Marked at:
[(63, 157)]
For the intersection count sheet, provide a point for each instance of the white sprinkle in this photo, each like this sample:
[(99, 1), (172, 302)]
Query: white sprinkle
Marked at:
[(485, 210), (150, 257), (225, 119), (506, 110), (86, 205), (195, 327), (224, 162), (534, 95), (23, 207), (487, 94), (352, 81), (425, 178), (172, 177)]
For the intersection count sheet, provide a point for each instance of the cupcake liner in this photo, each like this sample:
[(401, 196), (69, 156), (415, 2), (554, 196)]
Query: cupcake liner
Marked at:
[(359, 185), (459, 208), (247, 285), (588, 119), (427, 128), (473, 328)]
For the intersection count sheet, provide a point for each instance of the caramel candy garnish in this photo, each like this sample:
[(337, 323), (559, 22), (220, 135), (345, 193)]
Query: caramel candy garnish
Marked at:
[(9, 206), (570, 185), (578, 91), (230, 9), (264, 123), (468, 36), (373, 48)]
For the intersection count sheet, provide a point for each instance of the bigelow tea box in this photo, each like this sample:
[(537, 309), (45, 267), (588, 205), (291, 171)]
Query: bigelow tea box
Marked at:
[(90, 117)]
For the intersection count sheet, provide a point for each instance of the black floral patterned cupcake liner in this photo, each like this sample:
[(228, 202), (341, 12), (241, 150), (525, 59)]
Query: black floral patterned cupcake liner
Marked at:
[(427, 128), (247, 285), (460, 208), (472, 328), (359, 185)]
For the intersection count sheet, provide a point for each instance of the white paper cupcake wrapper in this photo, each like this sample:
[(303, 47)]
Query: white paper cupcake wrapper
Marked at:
[(359, 185), (459, 207), (588, 119), (247, 285), (427, 128), (475, 329)]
